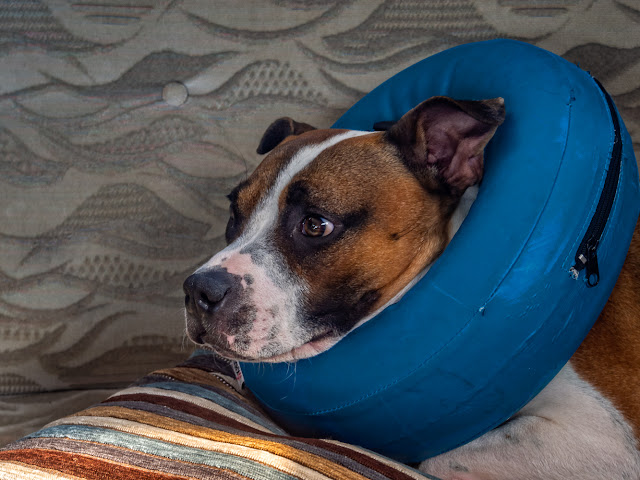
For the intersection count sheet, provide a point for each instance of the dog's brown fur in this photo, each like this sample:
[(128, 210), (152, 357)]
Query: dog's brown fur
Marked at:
[(396, 247), (248, 194), (609, 358)]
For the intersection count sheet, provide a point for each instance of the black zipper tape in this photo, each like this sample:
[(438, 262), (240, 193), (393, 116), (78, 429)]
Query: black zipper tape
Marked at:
[(587, 253)]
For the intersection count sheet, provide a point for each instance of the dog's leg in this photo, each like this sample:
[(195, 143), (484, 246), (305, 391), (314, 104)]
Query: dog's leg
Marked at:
[(568, 431)]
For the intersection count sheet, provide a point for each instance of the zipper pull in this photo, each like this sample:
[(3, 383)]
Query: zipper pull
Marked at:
[(593, 273)]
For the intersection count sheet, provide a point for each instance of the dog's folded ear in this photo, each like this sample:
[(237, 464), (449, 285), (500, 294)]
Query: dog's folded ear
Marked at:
[(442, 140), (279, 130)]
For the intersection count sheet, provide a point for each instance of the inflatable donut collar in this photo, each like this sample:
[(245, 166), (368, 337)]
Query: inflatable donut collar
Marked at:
[(512, 297)]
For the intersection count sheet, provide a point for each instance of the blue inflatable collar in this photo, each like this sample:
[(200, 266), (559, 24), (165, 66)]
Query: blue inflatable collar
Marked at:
[(507, 304)]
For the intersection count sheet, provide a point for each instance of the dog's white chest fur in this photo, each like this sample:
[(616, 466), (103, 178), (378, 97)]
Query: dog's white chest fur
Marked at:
[(568, 421)]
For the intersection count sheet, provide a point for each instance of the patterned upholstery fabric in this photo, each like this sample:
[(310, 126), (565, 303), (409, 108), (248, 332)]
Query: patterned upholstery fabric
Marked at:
[(192, 421), (124, 123)]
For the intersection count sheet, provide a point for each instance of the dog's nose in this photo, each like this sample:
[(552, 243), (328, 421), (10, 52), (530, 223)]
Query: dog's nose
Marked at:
[(204, 291)]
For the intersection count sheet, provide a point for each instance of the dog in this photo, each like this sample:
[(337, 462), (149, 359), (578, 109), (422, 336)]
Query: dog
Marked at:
[(334, 225)]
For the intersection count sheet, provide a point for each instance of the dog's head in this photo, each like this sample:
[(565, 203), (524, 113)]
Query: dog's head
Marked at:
[(334, 225)]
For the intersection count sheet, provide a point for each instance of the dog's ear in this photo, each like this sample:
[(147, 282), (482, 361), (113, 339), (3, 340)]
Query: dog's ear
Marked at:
[(442, 140), (278, 131)]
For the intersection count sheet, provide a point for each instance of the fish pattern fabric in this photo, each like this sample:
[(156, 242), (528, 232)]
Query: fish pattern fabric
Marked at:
[(125, 123)]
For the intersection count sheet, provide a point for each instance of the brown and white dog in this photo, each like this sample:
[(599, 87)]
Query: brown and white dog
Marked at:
[(334, 225)]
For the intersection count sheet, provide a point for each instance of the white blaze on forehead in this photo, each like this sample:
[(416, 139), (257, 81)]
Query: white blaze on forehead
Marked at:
[(266, 213), (265, 216)]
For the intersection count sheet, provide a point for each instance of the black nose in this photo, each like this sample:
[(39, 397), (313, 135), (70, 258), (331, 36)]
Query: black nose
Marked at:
[(204, 291)]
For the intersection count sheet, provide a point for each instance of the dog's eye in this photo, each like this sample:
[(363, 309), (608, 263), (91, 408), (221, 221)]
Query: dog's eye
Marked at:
[(316, 227)]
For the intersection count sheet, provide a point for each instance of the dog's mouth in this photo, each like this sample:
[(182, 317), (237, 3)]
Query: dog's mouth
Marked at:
[(319, 343)]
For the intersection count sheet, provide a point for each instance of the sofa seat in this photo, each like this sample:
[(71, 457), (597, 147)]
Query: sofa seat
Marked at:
[(194, 421)]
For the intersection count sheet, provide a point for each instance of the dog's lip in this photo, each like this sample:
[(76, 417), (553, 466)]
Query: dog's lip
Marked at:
[(228, 354), (316, 345), (319, 336)]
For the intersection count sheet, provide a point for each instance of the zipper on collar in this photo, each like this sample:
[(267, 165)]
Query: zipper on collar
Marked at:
[(587, 254)]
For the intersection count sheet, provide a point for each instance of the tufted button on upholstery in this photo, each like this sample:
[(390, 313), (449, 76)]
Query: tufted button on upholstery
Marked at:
[(175, 94)]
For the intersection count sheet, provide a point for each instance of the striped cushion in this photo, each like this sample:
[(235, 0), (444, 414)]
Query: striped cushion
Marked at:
[(192, 421)]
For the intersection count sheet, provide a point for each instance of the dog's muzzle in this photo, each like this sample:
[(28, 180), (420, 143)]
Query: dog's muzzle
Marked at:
[(205, 294)]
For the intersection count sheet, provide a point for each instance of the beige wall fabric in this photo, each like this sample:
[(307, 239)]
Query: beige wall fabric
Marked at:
[(124, 123)]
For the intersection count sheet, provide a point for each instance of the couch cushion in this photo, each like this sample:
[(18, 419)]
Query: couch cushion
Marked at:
[(22, 414), (191, 421)]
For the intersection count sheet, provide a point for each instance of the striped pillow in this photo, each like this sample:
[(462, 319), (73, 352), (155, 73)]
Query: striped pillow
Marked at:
[(188, 422)]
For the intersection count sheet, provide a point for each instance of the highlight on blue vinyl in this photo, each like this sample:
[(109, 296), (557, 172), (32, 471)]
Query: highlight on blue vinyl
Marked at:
[(501, 311)]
